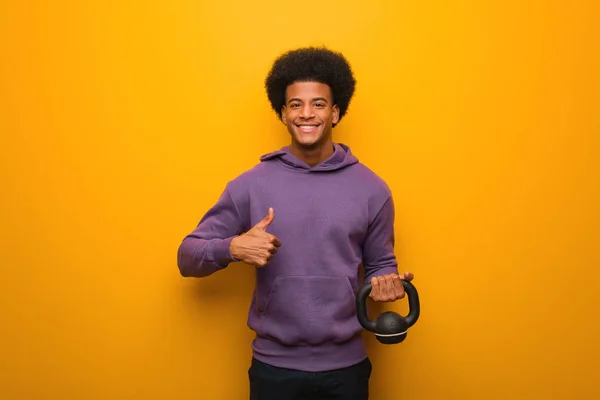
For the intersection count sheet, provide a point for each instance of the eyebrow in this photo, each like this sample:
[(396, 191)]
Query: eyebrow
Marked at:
[(314, 99)]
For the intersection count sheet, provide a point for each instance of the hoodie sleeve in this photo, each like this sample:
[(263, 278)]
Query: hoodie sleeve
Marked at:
[(378, 248), (206, 250)]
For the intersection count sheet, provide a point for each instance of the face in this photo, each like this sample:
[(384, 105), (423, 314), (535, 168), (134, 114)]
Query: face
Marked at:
[(309, 113)]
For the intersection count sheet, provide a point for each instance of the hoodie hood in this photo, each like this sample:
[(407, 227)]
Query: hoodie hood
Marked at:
[(341, 158)]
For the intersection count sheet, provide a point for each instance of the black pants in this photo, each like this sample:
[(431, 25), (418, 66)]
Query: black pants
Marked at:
[(272, 383)]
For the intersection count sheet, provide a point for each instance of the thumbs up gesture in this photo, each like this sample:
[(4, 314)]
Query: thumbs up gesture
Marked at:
[(257, 246)]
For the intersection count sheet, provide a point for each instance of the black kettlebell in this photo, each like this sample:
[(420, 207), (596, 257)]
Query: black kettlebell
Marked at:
[(389, 327)]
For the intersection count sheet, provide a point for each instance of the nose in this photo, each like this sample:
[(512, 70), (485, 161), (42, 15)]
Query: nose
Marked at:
[(307, 112)]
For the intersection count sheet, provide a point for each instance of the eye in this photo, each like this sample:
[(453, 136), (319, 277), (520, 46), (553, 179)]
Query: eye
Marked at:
[(320, 105)]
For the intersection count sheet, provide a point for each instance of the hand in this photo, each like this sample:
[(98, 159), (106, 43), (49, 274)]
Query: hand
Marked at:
[(257, 246), (389, 287)]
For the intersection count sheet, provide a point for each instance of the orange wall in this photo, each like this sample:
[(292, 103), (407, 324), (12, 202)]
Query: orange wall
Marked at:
[(121, 122)]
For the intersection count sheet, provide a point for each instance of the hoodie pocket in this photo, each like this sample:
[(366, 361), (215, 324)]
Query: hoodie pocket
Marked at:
[(310, 310)]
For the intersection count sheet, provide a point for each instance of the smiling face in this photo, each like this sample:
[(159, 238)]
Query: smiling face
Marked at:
[(309, 114)]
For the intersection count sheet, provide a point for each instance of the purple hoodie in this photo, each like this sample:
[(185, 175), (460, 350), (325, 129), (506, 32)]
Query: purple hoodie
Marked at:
[(330, 219)]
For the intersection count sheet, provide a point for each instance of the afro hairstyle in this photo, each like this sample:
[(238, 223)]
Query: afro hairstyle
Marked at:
[(311, 64)]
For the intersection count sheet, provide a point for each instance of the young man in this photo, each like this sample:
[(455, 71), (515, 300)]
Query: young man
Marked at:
[(307, 216)]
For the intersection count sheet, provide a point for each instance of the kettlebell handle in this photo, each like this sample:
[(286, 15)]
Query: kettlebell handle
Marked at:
[(369, 324)]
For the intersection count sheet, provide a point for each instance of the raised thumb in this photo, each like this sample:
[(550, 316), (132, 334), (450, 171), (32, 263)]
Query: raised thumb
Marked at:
[(266, 221)]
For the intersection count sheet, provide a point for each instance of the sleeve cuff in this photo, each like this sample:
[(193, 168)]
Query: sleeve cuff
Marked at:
[(379, 272), (220, 252)]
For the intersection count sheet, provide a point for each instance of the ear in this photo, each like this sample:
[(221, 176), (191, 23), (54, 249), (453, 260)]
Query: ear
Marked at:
[(335, 114), (283, 117)]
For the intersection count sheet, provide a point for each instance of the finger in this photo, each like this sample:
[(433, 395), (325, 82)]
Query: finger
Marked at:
[(383, 288), (273, 249), (261, 262), (389, 288), (275, 240), (265, 256), (408, 276), (375, 288), (398, 287), (267, 220)]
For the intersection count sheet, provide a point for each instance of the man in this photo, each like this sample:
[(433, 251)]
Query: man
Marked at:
[(307, 216)]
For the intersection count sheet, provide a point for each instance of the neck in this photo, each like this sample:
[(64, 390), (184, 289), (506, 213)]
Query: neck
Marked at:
[(312, 155)]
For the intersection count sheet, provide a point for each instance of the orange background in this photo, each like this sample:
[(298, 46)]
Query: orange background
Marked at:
[(121, 122)]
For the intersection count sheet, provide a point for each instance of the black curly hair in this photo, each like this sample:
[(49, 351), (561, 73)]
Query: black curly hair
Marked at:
[(311, 64)]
